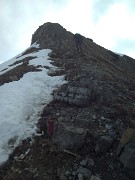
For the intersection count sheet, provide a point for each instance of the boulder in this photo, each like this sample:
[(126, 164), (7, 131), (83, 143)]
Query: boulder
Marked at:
[(94, 178), (103, 144), (87, 162), (68, 137), (112, 134), (84, 162), (127, 158), (80, 176), (85, 172), (126, 137)]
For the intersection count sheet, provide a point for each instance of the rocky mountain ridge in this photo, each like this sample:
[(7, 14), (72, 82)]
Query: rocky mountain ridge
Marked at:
[(89, 114)]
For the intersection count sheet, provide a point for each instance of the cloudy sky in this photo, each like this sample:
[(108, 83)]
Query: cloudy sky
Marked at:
[(110, 23)]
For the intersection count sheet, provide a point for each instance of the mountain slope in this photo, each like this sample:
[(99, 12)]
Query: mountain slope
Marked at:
[(109, 75), (25, 88), (85, 116)]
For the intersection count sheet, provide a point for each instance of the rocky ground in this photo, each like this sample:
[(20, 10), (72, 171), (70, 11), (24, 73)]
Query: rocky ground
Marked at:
[(87, 131), (40, 158), (88, 148), (43, 160)]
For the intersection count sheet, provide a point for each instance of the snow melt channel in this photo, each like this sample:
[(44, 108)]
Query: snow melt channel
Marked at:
[(21, 103)]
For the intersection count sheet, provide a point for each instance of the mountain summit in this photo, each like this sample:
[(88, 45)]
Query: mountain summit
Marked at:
[(108, 75), (83, 103), (53, 36)]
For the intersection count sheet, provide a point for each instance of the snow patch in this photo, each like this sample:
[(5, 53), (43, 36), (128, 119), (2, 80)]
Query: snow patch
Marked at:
[(41, 55), (6, 65), (22, 102)]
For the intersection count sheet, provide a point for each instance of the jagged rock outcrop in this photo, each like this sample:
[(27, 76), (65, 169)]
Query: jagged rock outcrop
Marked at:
[(54, 36)]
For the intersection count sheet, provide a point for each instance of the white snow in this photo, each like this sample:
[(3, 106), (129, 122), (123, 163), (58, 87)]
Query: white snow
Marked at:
[(42, 53), (21, 103), (19, 57)]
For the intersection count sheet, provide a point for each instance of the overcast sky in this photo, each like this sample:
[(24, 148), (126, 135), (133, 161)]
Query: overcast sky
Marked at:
[(110, 23)]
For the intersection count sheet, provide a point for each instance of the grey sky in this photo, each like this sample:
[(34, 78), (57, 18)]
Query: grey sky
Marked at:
[(125, 46), (109, 23), (99, 8), (19, 19)]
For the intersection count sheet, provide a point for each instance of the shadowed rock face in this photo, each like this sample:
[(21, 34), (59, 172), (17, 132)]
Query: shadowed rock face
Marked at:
[(55, 37), (128, 157)]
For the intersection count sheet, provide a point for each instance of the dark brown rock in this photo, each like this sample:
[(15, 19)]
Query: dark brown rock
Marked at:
[(127, 158), (54, 36), (69, 138), (103, 144)]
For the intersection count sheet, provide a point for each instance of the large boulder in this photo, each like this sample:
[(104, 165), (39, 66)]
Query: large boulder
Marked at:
[(127, 158), (127, 136), (68, 137), (103, 144), (85, 172)]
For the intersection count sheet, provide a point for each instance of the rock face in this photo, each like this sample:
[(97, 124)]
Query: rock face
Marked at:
[(127, 158), (80, 96), (89, 113), (54, 36)]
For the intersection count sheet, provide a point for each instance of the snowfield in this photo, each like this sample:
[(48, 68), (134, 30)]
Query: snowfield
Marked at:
[(21, 102)]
